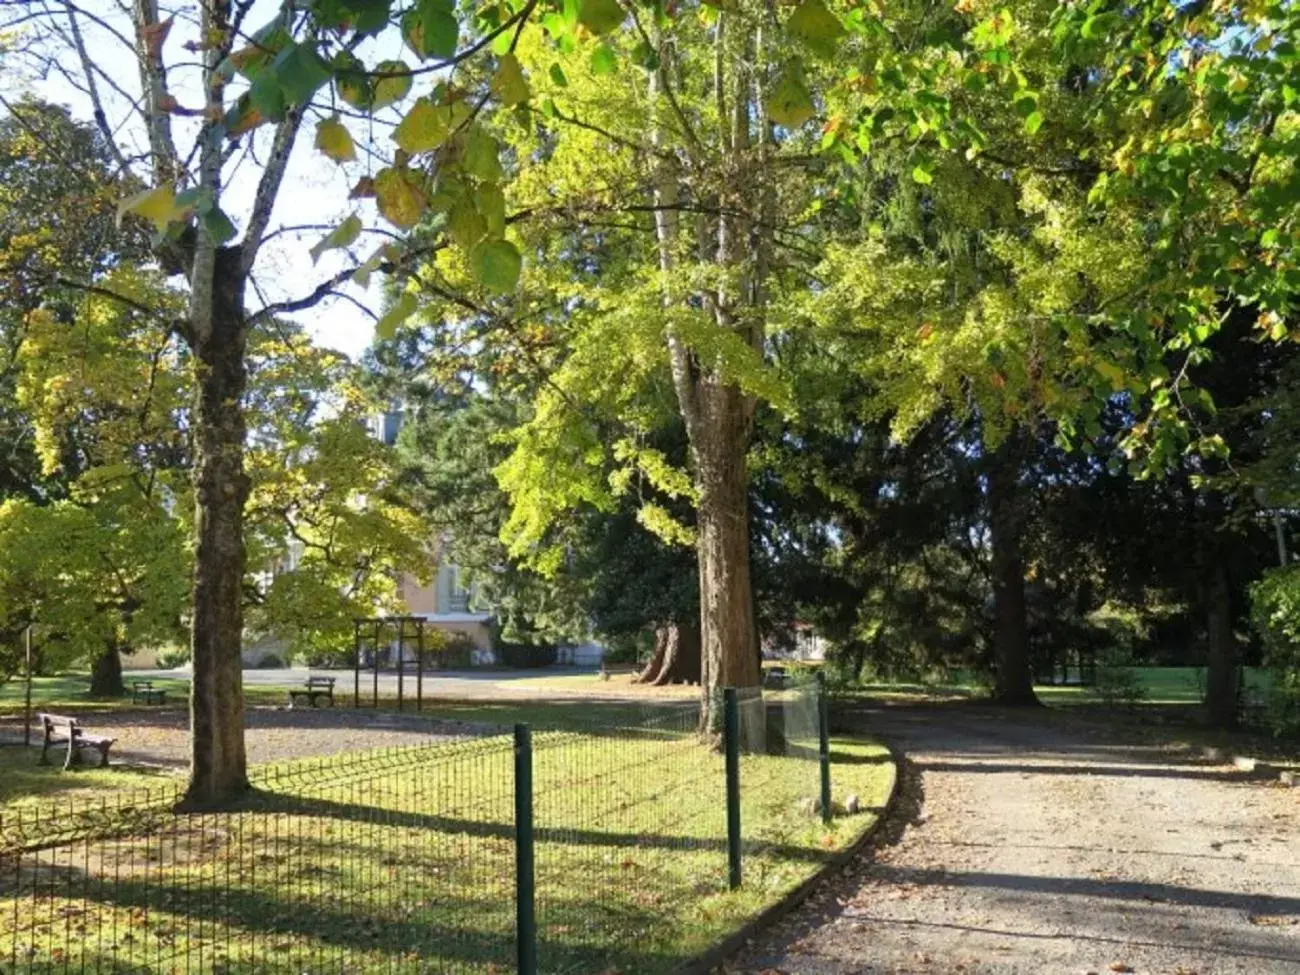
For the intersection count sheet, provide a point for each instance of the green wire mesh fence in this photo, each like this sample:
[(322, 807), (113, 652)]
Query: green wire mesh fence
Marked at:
[(409, 860)]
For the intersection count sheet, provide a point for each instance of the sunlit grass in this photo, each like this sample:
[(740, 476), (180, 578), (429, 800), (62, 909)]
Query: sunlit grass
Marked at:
[(403, 861)]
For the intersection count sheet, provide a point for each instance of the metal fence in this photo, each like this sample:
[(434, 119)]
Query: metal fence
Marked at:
[(560, 852)]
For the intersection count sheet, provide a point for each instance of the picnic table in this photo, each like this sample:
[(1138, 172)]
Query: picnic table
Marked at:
[(143, 690), (313, 690), (60, 728)]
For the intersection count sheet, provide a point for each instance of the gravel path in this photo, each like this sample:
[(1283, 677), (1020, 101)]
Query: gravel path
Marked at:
[(1022, 847)]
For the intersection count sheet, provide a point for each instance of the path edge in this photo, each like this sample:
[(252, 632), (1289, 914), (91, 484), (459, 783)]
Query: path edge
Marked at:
[(705, 962)]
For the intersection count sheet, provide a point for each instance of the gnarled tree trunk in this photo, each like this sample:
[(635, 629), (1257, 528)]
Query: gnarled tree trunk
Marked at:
[(676, 658), (1013, 679), (218, 767)]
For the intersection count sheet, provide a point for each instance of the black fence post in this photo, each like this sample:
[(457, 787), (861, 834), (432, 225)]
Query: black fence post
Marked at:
[(824, 745), (525, 892), (731, 745)]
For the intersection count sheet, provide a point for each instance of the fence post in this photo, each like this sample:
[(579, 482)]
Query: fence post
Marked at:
[(731, 745), (525, 907), (824, 745)]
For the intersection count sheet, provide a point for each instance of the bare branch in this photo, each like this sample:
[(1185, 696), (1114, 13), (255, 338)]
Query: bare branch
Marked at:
[(92, 90), (153, 82), (268, 187)]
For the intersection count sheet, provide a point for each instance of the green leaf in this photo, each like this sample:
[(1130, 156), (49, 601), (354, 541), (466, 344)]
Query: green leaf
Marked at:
[(267, 98), (600, 16), (789, 103), (423, 129), (465, 225), (300, 72), (603, 60), (392, 88), (921, 174), (218, 225), (816, 27), (482, 157), (400, 195), (1033, 122), (492, 205), (403, 308), (344, 235), (558, 76), (351, 81), (335, 141), (1269, 237), (431, 31), (496, 264), (509, 84)]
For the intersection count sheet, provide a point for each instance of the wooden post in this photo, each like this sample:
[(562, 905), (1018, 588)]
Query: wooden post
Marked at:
[(27, 691)]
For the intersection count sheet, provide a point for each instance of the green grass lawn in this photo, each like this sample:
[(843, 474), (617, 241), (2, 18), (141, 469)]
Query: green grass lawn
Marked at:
[(1161, 685), (403, 861)]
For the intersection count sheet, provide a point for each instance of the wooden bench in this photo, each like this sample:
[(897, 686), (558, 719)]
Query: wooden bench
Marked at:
[(143, 690), (60, 728), (315, 689)]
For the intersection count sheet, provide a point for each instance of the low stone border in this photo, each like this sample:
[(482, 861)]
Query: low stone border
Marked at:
[(705, 963)]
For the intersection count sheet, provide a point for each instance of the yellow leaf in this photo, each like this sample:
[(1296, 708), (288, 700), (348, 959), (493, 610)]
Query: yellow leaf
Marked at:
[(335, 141), (344, 235), (423, 129), (401, 196), (157, 205)]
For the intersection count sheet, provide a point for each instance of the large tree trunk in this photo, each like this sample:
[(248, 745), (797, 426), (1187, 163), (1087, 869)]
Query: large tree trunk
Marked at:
[(1013, 679), (218, 767), (676, 658), (727, 634), (1222, 660), (106, 672)]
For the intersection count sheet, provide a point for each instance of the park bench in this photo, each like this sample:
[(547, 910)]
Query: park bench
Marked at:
[(315, 689), (60, 728), (143, 690)]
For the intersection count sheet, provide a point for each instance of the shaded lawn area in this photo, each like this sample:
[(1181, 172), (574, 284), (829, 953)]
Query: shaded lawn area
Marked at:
[(402, 860)]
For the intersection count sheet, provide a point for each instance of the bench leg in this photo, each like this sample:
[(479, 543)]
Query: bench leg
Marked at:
[(45, 750), (72, 751), (103, 756)]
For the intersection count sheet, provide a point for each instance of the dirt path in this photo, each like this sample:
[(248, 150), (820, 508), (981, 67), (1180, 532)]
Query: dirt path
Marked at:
[(1025, 848)]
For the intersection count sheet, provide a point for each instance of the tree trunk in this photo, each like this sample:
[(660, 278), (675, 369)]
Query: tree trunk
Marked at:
[(676, 657), (218, 767), (727, 640), (1013, 679), (106, 672), (1221, 675)]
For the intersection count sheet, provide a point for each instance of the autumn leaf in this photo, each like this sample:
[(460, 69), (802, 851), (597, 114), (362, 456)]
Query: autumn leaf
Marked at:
[(157, 205), (335, 141), (155, 36), (401, 196), (789, 103)]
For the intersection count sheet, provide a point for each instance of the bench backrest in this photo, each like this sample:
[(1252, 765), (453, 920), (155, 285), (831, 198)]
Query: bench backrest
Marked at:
[(321, 681), (52, 721), (142, 685)]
